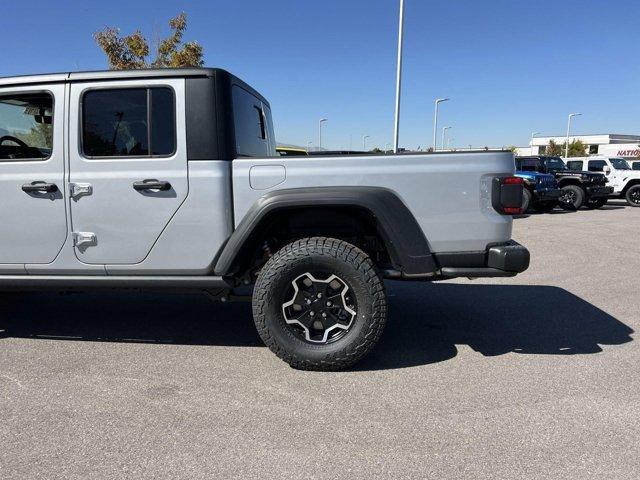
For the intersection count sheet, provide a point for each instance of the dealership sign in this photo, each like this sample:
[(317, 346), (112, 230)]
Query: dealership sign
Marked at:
[(629, 153)]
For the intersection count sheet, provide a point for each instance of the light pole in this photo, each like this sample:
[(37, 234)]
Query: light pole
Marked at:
[(533, 134), (444, 135), (309, 145), (396, 129), (320, 122), (566, 147), (435, 122), (364, 142)]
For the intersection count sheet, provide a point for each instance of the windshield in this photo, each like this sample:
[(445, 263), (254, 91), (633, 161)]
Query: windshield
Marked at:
[(620, 164), (556, 164)]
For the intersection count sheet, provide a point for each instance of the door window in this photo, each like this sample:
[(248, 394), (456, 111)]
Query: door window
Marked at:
[(26, 126), (596, 165), (574, 165), (131, 122)]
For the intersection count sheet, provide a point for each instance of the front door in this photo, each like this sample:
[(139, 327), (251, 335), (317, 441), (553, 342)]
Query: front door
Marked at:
[(128, 166), (33, 221)]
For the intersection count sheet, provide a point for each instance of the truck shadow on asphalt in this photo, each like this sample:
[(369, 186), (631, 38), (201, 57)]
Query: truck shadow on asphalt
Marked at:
[(426, 321)]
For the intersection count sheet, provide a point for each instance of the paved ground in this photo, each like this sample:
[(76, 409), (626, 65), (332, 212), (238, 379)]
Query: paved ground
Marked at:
[(533, 377)]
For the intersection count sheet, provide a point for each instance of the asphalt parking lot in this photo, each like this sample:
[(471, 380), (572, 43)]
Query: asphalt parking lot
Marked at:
[(532, 377)]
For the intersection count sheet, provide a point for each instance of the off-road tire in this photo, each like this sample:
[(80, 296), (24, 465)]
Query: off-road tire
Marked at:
[(632, 196), (333, 256), (578, 194), (526, 200)]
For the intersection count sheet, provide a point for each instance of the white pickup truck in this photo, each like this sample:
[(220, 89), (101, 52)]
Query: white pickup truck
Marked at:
[(624, 179), (169, 180)]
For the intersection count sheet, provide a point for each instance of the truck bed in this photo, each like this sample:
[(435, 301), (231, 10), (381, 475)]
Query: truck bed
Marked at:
[(449, 194)]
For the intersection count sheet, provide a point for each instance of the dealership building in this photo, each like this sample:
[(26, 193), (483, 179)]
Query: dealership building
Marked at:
[(609, 144)]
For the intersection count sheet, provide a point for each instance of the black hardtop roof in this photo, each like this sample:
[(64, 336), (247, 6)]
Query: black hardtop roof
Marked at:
[(141, 74)]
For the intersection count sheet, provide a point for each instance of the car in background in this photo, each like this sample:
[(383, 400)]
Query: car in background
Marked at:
[(578, 187), (541, 191), (291, 152), (624, 180)]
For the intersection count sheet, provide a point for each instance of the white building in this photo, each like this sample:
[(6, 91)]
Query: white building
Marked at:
[(609, 144)]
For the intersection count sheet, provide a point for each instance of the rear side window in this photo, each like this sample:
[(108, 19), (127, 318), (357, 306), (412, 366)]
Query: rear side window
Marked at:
[(253, 127), (574, 165), (530, 165), (636, 165), (26, 126), (128, 122), (596, 165)]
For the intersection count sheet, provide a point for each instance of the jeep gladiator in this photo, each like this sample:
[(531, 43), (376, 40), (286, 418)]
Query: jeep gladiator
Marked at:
[(169, 180)]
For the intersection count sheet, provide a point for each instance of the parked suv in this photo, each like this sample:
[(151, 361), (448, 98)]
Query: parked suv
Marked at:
[(169, 180), (541, 191), (578, 187), (624, 180)]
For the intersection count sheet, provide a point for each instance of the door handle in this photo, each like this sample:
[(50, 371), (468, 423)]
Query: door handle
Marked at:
[(39, 187), (151, 184)]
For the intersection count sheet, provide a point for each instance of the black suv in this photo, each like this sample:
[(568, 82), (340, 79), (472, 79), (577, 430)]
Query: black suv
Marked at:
[(578, 188)]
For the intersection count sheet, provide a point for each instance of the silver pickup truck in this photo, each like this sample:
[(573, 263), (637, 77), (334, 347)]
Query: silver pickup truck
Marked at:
[(169, 180)]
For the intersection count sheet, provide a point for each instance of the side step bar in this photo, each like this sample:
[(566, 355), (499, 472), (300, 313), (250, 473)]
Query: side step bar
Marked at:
[(105, 282)]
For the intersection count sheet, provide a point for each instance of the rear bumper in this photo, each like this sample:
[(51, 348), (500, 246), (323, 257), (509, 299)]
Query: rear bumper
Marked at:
[(599, 191), (498, 260), (502, 260)]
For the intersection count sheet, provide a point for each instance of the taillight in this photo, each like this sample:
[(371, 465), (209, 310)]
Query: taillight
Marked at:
[(507, 195)]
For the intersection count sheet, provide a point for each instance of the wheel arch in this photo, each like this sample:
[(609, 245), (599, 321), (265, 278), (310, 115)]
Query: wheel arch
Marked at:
[(630, 183), (396, 226)]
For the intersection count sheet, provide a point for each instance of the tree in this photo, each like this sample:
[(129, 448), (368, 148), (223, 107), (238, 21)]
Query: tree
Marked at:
[(132, 51), (576, 149)]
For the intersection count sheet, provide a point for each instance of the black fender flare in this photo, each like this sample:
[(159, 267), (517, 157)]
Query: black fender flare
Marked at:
[(398, 228)]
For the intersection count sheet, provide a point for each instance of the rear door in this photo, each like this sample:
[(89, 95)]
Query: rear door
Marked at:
[(128, 166), (32, 206)]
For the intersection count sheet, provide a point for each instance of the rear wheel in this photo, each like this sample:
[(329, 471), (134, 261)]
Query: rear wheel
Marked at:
[(573, 195), (594, 203), (633, 196), (319, 304), (526, 200)]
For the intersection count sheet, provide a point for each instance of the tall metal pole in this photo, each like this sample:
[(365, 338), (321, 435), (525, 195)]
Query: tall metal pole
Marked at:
[(566, 146), (396, 129), (364, 142), (444, 135), (435, 122), (533, 134), (320, 122)]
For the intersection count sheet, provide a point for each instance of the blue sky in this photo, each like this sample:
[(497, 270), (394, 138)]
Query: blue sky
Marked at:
[(510, 67)]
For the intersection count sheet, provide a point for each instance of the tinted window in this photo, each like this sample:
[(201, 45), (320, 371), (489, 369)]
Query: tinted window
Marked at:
[(26, 126), (619, 164), (530, 165), (133, 122), (574, 165), (636, 165), (596, 165), (252, 125)]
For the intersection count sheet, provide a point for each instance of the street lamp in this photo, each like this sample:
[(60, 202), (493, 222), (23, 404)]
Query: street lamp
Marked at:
[(396, 129), (444, 135), (435, 122), (533, 134), (566, 147), (364, 142), (320, 122)]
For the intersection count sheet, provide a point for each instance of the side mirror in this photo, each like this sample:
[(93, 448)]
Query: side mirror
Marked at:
[(606, 169)]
